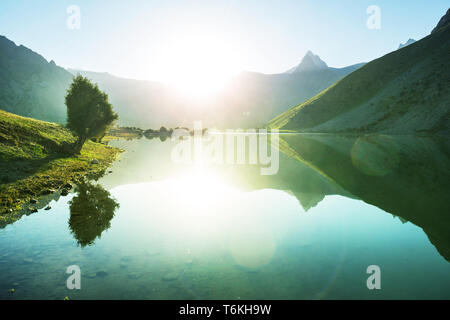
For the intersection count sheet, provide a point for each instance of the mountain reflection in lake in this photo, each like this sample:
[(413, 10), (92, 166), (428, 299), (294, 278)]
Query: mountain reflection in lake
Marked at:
[(153, 229)]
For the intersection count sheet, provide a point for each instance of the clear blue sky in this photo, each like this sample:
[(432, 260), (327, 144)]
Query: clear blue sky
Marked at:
[(132, 38)]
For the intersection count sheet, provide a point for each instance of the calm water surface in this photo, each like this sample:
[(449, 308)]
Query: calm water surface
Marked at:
[(153, 229)]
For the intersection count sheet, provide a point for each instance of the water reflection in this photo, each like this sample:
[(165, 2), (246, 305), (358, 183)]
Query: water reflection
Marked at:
[(91, 212), (227, 232), (407, 176)]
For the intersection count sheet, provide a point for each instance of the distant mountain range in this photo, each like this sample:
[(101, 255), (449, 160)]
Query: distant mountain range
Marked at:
[(33, 87), (407, 43), (249, 100), (405, 91)]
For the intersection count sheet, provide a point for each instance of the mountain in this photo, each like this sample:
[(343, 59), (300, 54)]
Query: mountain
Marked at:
[(30, 85), (310, 62), (253, 97), (405, 91), (445, 20), (138, 102), (249, 100), (33, 87), (407, 43)]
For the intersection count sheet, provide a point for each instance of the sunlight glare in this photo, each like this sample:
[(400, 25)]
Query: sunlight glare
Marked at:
[(197, 63)]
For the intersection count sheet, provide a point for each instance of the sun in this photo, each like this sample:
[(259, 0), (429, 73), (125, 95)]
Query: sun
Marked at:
[(197, 63)]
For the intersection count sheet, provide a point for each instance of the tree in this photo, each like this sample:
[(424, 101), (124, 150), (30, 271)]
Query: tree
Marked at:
[(89, 113)]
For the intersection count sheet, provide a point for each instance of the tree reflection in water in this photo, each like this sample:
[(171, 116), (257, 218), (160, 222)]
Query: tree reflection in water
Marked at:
[(91, 212)]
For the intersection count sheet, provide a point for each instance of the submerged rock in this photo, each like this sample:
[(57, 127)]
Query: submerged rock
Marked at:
[(171, 276), (101, 274), (126, 259), (134, 275)]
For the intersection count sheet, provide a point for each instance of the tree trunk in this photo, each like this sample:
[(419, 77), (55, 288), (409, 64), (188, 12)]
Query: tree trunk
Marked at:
[(101, 138), (79, 145)]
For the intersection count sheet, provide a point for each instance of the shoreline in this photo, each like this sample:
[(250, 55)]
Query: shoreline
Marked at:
[(51, 180)]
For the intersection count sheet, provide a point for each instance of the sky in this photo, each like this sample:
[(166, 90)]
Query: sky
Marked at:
[(167, 40)]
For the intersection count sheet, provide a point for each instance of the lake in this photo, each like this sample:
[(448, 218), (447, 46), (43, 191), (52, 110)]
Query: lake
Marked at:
[(155, 229)]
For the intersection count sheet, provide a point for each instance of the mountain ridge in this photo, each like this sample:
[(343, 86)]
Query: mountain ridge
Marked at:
[(33, 87), (310, 62), (404, 91), (30, 85)]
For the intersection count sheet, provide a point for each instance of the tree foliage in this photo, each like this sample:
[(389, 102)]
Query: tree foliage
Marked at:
[(89, 113)]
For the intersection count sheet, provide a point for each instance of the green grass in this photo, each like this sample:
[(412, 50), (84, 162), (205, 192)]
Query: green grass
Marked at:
[(33, 162)]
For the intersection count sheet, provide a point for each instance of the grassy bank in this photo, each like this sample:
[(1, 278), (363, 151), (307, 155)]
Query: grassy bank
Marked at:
[(33, 163)]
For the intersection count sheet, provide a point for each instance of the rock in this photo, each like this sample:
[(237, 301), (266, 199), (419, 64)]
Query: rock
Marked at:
[(47, 208), (95, 161), (64, 192), (171, 276), (126, 259), (33, 210), (101, 274), (134, 275), (67, 186)]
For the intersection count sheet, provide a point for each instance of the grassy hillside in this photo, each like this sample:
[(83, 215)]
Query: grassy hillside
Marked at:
[(405, 91), (32, 162)]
